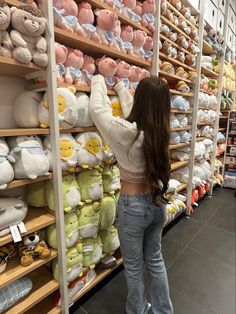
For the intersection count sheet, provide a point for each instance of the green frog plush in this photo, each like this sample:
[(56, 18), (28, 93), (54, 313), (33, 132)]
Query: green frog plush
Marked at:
[(71, 193), (74, 263), (107, 211), (92, 251), (111, 179), (110, 240), (89, 220), (71, 231), (35, 194), (90, 183)]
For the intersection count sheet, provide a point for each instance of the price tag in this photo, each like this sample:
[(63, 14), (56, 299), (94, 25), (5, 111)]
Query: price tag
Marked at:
[(15, 233), (22, 227), (88, 248)]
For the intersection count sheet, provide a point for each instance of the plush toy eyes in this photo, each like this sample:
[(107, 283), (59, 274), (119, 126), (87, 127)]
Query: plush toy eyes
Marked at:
[(85, 216), (25, 18)]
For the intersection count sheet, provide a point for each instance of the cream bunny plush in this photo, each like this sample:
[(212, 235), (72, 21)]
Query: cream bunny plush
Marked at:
[(6, 169)]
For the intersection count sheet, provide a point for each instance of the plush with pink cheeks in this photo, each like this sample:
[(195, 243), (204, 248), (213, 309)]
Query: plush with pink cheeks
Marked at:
[(106, 22), (88, 70), (134, 77), (86, 19), (138, 43), (123, 72), (139, 8), (73, 64), (107, 68), (148, 47), (61, 55), (117, 34), (149, 11), (127, 35), (128, 10), (109, 3), (144, 73)]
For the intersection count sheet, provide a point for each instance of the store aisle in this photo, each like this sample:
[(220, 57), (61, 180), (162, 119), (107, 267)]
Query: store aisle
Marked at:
[(200, 258)]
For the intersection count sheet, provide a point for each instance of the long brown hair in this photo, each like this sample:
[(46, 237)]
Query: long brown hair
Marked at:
[(151, 112)]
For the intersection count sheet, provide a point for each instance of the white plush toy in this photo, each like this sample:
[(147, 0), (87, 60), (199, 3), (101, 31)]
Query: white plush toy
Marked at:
[(181, 174), (27, 102), (178, 102), (12, 212), (6, 169), (199, 151), (30, 159), (174, 122), (198, 172), (173, 186), (206, 61), (184, 137), (174, 138), (183, 120), (82, 105), (68, 151), (212, 102), (208, 147), (206, 168), (178, 155), (207, 131), (67, 108), (90, 149)]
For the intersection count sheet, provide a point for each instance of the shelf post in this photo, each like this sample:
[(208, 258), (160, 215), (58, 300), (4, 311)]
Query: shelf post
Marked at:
[(57, 171), (156, 39)]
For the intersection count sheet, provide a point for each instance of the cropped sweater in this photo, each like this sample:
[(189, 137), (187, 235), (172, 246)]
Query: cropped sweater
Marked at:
[(117, 132)]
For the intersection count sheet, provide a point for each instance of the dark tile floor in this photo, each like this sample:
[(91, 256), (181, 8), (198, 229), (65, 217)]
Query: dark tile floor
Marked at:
[(200, 259)]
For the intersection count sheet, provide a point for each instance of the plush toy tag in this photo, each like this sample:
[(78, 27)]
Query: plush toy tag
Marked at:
[(88, 248), (22, 227), (15, 233)]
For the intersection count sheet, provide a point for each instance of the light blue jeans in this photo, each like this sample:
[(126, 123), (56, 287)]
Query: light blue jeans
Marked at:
[(140, 225)]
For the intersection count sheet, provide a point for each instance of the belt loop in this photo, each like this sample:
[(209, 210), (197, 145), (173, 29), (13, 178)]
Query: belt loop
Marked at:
[(126, 200)]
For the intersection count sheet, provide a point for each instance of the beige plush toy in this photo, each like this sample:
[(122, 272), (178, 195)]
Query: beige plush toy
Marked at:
[(6, 45), (28, 27)]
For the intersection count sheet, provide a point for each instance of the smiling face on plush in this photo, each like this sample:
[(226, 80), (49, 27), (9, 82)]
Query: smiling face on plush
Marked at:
[(66, 148), (123, 69), (93, 145), (135, 73), (85, 13), (106, 19), (89, 218), (107, 67), (71, 223), (73, 257), (90, 183), (127, 33), (28, 21), (5, 15)]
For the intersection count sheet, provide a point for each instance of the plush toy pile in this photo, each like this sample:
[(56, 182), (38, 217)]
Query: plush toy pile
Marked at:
[(229, 77), (215, 40), (208, 85)]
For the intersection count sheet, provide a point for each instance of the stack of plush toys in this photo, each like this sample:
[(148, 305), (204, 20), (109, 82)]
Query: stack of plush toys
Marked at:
[(229, 77), (214, 39), (73, 67), (221, 144), (209, 86), (218, 178)]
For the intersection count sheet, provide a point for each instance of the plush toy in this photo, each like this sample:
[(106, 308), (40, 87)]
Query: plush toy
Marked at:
[(6, 44), (174, 138), (30, 159), (116, 106), (71, 193), (123, 72), (182, 41), (90, 183), (92, 251), (32, 247), (190, 60), (110, 240), (111, 179), (6, 169), (86, 20), (73, 66), (192, 75), (168, 14), (74, 263), (107, 68), (182, 87), (184, 26), (12, 212), (117, 34), (173, 186), (68, 151), (144, 73), (207, 131), (184, 137), (148, 47), (149, 11), (186, 12), (207, 62), (183, 120), (7, 252), (66, 105), (107, 211), (172, 36), (181, 56), (168, 50), (180, 71), (128, 10), (35, 194), (88, 70), (139, 8), (127, 34), (27, 101), (181, 174), (138, 42), (167, 67), (164, 29), (28, 27), (90, 149), (71, 231), (179, 103), (82, 104), (134, 78), (208, 147), (178, 155), (89, 220), (174, 122), (61, 56), (106, 22), (177, 4)]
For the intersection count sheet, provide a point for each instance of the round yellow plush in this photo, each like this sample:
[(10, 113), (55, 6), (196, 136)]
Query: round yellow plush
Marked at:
[(61, 103), (66, 149), (93, 145)]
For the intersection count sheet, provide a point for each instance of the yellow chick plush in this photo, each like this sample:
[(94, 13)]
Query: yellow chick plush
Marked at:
[(116, 106), (90, 149)]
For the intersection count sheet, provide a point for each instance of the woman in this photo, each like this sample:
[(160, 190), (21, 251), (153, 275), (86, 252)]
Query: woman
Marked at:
[(140, 144)]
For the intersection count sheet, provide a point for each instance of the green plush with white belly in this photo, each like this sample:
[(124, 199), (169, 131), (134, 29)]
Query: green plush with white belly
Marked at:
[(89, 220), (35, 194), (110, 240), (92, 251), (111, 179), (107, 211)]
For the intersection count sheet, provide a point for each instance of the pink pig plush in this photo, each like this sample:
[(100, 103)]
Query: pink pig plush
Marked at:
[(138, 43), (88, 70), (61, 55), (106, 22), (144, 73), (117, 34), (139, 8), (73, 64), (128, 10), (127, 35), (123, 72), (148, 47), (134, 77), (109, 3), (149, 11), (107, 68), (86, 19)]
